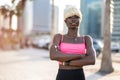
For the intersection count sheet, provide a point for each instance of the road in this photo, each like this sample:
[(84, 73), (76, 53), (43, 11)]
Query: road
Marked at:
[(34, 64), (26, 64)]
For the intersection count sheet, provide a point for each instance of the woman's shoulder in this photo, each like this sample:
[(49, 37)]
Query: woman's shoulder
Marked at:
[(88, 38), (58, 36)]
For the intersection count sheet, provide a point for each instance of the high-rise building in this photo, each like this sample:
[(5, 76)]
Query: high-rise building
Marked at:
[(37, 17), (94, 19), (84, 22), (115, 19), (41, 15)]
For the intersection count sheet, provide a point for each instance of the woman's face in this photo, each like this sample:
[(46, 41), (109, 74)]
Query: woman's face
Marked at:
[(72, 21)]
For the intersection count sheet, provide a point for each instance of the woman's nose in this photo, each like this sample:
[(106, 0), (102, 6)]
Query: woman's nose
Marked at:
[(73, 20)]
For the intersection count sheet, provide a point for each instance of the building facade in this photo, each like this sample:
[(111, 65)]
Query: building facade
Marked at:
[(38, 17), (41, 15), (84, 22), (94, 19), (115, 19)]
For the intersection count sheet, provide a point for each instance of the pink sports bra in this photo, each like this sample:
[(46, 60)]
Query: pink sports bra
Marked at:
[(71, 48)]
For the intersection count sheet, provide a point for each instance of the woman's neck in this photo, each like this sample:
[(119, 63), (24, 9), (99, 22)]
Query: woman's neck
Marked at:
[(72, 33)]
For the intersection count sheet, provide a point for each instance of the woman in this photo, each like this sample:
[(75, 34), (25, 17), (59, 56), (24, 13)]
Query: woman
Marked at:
[(72, 50)]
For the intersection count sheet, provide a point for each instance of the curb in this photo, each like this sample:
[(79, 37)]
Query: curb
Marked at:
[(114, 59)]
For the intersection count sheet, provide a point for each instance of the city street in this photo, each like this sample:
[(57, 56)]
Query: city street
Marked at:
[(25, 24), (34, 64)]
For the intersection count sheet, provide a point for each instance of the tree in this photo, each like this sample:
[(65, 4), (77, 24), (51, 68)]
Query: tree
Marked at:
[(4, 12), (106, 64), (11, 13), (20, 18), (19, 13)]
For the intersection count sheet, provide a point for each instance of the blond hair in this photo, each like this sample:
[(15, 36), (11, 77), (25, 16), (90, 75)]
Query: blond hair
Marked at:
[(72, 10)]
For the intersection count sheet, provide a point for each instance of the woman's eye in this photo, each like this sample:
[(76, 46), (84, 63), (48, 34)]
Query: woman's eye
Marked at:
[(69, 17), (75, 16)]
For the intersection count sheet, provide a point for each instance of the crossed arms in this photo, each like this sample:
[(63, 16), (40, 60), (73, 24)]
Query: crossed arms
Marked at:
[(75, 59)]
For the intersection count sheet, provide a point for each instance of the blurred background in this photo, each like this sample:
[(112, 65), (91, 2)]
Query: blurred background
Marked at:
[(32, 23)]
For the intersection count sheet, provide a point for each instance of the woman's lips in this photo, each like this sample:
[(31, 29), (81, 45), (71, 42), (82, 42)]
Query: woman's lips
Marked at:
[(73, 23)]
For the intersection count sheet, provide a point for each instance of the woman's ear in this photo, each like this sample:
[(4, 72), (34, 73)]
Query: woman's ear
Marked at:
[(65, 20)]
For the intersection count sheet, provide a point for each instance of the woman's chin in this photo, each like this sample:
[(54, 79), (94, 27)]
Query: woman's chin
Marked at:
[(74, 27)]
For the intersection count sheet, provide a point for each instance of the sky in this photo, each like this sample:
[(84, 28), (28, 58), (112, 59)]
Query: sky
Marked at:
[(8, 2), (72, 2), (68, 2), (3, 2)]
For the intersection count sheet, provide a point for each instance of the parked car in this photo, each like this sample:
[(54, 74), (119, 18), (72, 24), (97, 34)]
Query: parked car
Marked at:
[(98, 45), (35, 41), (42, 41), (115, 46)]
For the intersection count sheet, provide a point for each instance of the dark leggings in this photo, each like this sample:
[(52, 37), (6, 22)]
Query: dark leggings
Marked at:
[(74, 74)]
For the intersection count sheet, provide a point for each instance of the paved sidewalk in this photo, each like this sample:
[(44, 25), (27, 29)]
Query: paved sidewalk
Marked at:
[(92, 73), (115, 57), (34, 64)]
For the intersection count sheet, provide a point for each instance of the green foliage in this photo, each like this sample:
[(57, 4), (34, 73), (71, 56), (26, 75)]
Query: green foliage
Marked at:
[(13, 1)]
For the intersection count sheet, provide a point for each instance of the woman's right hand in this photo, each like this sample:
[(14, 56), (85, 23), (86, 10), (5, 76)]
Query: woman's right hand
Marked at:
[(82, 55)]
